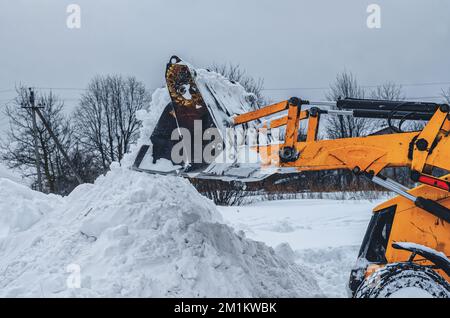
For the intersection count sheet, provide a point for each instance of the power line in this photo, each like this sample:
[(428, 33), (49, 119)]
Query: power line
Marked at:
[(63, 88), (47, 88), (264, 89), (425, 97), (274, 90), (6, 101), (362, 86), (426, 84), (7, 90)]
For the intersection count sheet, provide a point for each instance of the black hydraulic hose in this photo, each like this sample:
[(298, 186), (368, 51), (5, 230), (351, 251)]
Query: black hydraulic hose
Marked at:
[(391, 114), (402, 121)]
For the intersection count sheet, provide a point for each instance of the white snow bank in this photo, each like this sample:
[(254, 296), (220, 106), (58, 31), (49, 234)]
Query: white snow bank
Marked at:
[(132, 234), (7, 173), (21, 207)]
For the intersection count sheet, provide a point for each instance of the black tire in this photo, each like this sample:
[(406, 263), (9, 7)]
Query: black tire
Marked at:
[(389, 280)]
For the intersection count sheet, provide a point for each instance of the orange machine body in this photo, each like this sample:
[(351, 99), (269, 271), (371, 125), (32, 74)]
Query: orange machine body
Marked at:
[(372, 154)]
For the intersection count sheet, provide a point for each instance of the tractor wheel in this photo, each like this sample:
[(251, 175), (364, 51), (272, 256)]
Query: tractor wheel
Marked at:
[(404, 280)]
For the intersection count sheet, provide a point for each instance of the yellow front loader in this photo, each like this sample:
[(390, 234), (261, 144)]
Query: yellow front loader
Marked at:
[(407, 244)]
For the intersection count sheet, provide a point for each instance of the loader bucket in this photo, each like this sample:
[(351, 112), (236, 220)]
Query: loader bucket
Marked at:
[(194, 134)]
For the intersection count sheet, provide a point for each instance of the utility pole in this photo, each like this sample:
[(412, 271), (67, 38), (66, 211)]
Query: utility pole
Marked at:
[(36, 141), (58, 144), (35, 110)]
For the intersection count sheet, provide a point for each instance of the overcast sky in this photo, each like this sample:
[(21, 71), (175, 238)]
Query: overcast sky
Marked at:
[(288, 43)]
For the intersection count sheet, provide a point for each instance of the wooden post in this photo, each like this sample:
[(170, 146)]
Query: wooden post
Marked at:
[(36, 141), (60, 147)]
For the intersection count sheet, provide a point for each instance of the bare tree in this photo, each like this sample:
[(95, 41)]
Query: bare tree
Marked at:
[(235, 73), (105, 119), (388, 91), (446, 95), (18, 150), (345, 86), (221, 192)]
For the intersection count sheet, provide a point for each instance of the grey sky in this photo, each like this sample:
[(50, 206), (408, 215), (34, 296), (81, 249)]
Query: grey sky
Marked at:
[(288, 43)]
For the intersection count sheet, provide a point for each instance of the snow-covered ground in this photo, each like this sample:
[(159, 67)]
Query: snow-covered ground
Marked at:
[(322, 235), (134, 235), (7, 173)]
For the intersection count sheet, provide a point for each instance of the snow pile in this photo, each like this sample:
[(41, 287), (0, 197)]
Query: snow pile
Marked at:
[(133, 234), (21, 207), (11, 175)]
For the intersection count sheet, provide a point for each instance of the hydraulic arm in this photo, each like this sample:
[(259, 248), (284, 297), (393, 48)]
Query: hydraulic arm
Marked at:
[(368, 156)]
